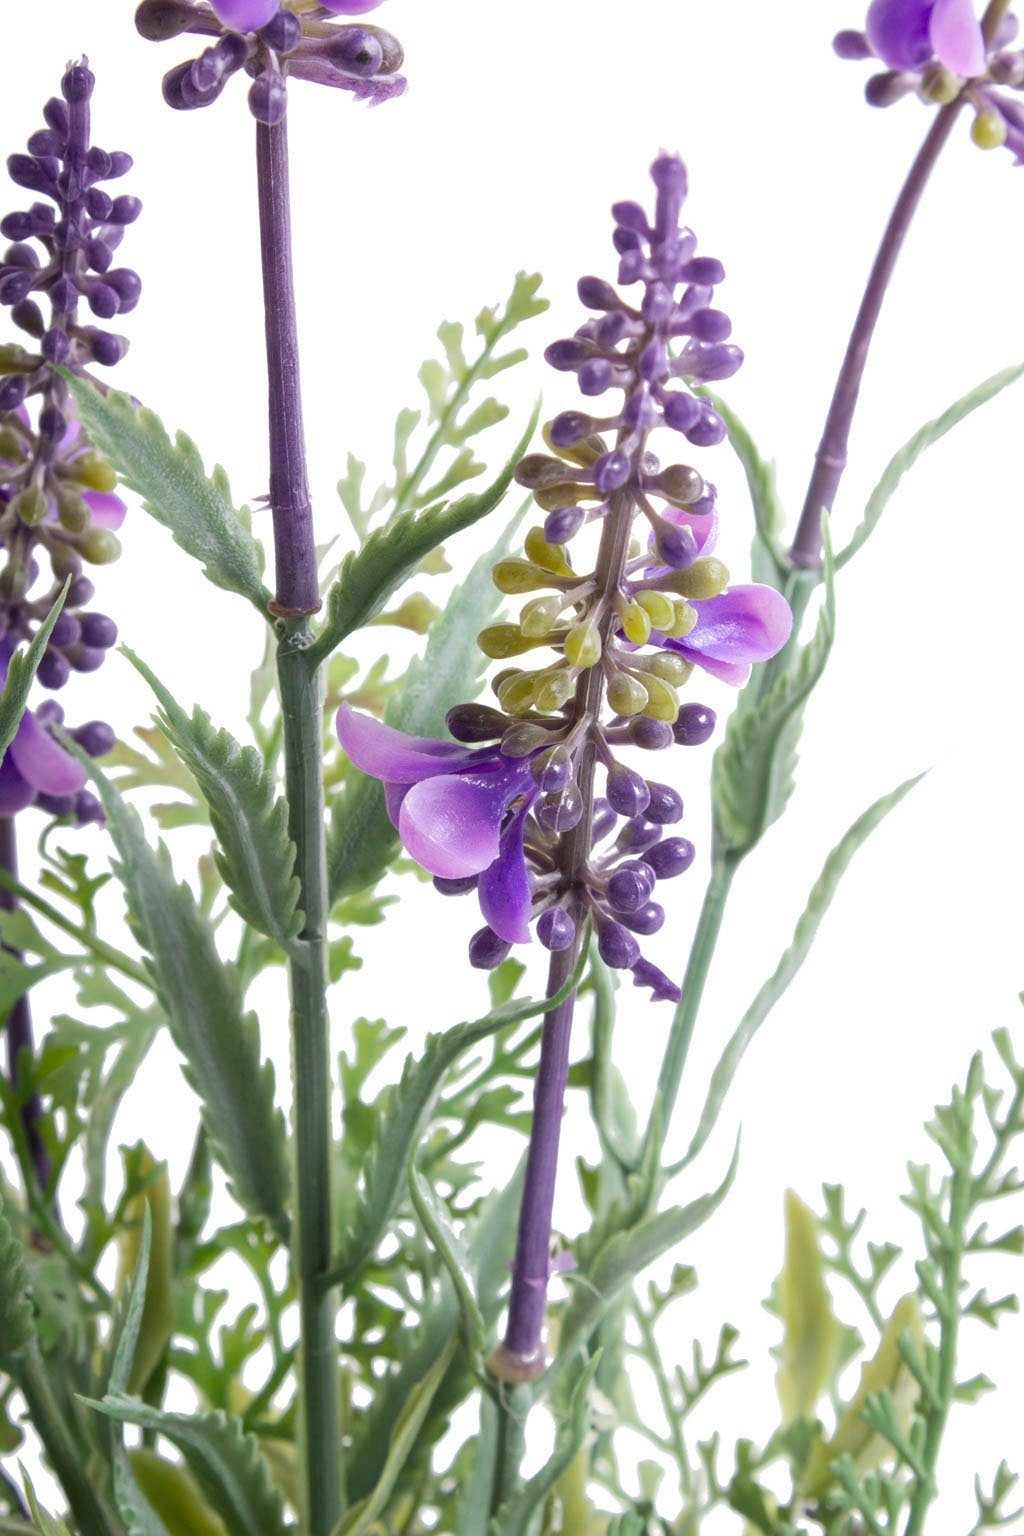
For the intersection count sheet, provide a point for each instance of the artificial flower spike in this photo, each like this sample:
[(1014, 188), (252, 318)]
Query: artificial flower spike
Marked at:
[(510, 808)]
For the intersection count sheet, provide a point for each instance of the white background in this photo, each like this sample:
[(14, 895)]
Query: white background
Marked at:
[(522, 124)]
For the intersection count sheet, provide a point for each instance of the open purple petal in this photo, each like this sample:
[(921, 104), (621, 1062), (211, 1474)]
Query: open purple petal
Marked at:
[(703, 525), (743, 625), (451, 823), (504, 887), (957, 38), (899, 32), (15, 793), (246, 15), (44, 764), (384, 753), (105, 509)]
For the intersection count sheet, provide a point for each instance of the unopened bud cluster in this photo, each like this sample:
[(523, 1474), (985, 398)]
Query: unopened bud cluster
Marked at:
[(270, 42)]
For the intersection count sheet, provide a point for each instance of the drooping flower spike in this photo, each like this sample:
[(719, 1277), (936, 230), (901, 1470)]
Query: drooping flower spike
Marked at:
[(937, 49), (57, 500), (272, 42), (498, 812)]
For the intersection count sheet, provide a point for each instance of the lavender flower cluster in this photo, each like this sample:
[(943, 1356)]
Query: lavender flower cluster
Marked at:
[(511, 812), (271, 41), (937, 49), (56, 493)]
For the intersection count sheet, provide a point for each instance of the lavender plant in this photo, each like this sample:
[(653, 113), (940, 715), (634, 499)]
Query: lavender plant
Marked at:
[(402, 1340)]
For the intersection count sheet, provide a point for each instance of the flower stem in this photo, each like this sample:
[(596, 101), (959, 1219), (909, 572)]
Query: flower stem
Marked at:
[(92, 1515), (20, 1041), (302, 723)]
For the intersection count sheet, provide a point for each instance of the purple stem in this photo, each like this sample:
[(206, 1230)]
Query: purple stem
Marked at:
[(298, 585), (20, 1040)]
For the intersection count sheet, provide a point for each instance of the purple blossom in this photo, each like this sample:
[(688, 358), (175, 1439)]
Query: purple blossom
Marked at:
[(908, 34)]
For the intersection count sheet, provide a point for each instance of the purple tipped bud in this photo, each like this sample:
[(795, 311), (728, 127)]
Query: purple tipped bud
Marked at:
[(651, 735), (80, 592), (676, 544), (695, 724), (631, 885), (567, 354), (849, 44), (617, 946), (556, 929), (563, 524), (627, 792), (666, 805), (160, 20), (66, 631), (56, 805), (595, 376), (647, 919), (268, 99), (475, 722), (611, 472), (711, 325), (96, 738), (357, 50), (54, 670), (638, 835), (107, 350), (245, 15), (682, 412), (87, 658), (283, 33), (632, 217), (670, 858), (569, 427), (459, 887), (611, 328), (552, 770), (12, 393), (602, 820), (98, 631), (640, 413), (560, 813), (487, 951), (88, 809), (653, 362), (595, 293), (77, 84), (709, 430)]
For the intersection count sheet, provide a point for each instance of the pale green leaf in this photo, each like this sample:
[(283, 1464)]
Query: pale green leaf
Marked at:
[(197, 509), (768, 561), (17, 1323), (256, 856), (21, 671), (811, 1333), (448, 1245)]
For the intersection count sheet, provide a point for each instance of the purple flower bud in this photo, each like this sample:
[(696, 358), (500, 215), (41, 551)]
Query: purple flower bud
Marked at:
[(556, 929), (128, 287), (77, 84), (631, 216), (12, 393), (98, 631), (88, 809), (657, 304), (97, 738), (567, 354), (595, 376), (56, 805), (460, 887), (638, 835), (640, 413), (695, 724), (651, 735), (706, 271), (54, 670), (631, 885), (709, 430), (563, 524), (49, 712), (283, 32), (85, 658), (612, 471), (160, 20), (487, 951), (647, 919), (569, 427), (851, 45), (671, 857), (560, 813), (103, 301), (268, 98), (552, 770), (627, 792), (676, 544), (357, 50), (602, 820), (245, 15), (711, 325), (107, 350), (611, 328), (475, 722), (666, 805), (653, 363), (617, 946), (595, 293), (66, 631)]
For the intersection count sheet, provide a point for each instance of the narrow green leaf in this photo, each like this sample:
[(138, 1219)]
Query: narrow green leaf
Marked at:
[(17, 1323), (407, 1112), (515, 1518), (769, 560), (818, 902), (148, 1211), (203, 1000), (473, 1506), (225, 1461), (46, 1524), (752, 773), (902, 462), (403, 1440), (21, 672), (370, 574), (363, 841), (811, 1333), (170, 1490), (169, 476), (256, 856), (438, 1229), (127, 1336)]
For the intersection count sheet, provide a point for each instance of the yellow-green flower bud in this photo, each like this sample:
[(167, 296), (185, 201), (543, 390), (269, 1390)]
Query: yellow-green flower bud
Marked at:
[(635, 621), (704, 578), (583, 645), (15, 359), (30, 505), (550, 556), (517, 692), (500, 641), (12, 445), (555, 689), (626, 695), (566, 495), (72, 510), (586, 452), (514, 576), (99, 546), (939, 85), (659, 609), (539, 616), (683, 619), (668, 666), (989, 129), (92, 470), (662, 703)]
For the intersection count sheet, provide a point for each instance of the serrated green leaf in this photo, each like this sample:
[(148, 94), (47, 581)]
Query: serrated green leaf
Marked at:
[(402, 1441), (752, 772), (369, 575), (407, 1112), (203, 1001), (515, 1517), (901, 463), (17, 1324), (363, 840), (818, 902), (21, 671), (449, 1247), (812, 1334), (768, 562), (225, 1461), (130, 1323), (196, 508), (256, 856)]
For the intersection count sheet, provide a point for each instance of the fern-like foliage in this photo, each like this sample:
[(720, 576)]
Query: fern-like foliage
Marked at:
[(256, 857), (17, 1325)]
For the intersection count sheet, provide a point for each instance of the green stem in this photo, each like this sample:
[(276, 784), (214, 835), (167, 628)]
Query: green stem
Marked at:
[(302, 715), (67, 1456), (95, 946), (709, 924), (514, 1405), (652, 1354)]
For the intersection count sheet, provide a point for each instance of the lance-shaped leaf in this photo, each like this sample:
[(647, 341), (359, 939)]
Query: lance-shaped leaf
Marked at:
[(402, 1442), (256, 856), (46, 1524), (811, 1333), (147, 1214), (515, 1517), (225, 1461), (173, 1495), (768, 560), (752, 773), (370, 574), (17, 1321), (21, 671), (363, 839), (901, 463), (202, 998), (196, 508), (407, 1112), (818, 903), (433, 1218), (887, 1371)]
